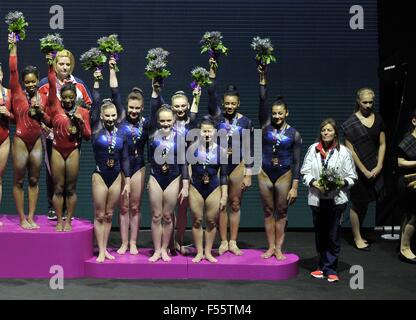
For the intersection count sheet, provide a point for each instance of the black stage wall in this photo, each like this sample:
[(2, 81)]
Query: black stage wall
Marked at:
[(322, 61)]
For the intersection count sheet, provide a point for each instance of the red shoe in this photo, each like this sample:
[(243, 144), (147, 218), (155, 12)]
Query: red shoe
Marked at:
[(332, 278), (317, 274)]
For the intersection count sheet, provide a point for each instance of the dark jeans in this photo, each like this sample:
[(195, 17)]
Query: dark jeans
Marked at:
[(327, 224)]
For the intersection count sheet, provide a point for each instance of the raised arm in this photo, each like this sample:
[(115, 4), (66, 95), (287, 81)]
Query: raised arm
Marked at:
[(115, 93), (196, 94), (213, 103), (95, 108), (264, 116), (14, 74), (156, 102)]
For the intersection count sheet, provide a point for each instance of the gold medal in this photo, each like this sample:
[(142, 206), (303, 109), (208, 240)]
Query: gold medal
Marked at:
[(165, 168), (230, 151), (205, 178), (275, 161), (73, 129), (110, 163), (136, 154)]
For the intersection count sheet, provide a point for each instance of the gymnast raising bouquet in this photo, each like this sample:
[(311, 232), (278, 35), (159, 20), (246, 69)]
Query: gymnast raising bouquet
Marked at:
[(110, 45), (156, 66), (17, 25), (212, 43)]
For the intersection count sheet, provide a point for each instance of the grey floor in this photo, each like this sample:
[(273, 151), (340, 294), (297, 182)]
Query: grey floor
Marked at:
[(385, 277)]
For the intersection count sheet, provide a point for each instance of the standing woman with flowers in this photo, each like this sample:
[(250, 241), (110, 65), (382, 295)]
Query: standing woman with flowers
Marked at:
[(70, 124), (135, 128), (64, 65), (111, 156), (233, 122), (329, 171), (278, 184), (27, 108), (5, 117)]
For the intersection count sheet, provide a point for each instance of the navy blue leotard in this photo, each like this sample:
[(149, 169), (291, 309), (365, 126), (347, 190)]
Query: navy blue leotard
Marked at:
[(233, 127), (287, 151), (205, 171), (157, 142), (110, 148)]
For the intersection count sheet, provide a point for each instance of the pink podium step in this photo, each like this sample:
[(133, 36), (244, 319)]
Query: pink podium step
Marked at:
[(31, 253), (137, 267), (249, 266)]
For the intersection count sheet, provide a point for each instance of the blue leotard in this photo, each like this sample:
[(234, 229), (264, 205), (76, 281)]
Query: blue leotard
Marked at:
[(287, 152), (110, 148), (205, 171), (172, 145), (233, 126)]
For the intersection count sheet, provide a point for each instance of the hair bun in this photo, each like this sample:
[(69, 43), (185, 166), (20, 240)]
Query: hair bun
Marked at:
[(137, 90), (231, 87)]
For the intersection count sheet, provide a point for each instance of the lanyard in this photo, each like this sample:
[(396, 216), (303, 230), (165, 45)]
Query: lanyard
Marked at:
[(139, 131), (327, 158), (278, 137), (111, 140)]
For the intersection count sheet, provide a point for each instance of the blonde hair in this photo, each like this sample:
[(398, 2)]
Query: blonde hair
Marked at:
[(179, 94), (360, 92), (107, 104), (65, 54)]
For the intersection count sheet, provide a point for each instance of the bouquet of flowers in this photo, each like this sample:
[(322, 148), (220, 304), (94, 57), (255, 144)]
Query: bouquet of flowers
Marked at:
[(212, 43), (201, 79), (157, 63), (93, 59), (111, 45), (51, 44), (264, 51), (330, 180), (17, 24)]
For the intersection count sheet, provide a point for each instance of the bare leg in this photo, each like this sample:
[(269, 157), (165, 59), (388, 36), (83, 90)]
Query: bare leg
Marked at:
[(112, 200), (4, 154), (20, 162), (407, 235), (266, 192), (196, 204), (58, 177), (235, 194), (211, 211), (124, 221), (72, 170), (156, 203), (35, 162), (170, 198), (282, 187), (136, 191), (99, 194), (355, 227)]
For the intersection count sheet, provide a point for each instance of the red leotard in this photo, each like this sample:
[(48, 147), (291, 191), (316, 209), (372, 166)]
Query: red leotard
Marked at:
[(4, 121), (27, 129), (63, 141)]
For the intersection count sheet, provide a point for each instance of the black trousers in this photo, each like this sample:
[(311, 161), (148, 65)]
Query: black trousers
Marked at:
[(327, 224)]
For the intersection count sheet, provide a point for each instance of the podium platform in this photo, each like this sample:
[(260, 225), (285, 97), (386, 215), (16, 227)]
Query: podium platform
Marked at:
[(30, 254)]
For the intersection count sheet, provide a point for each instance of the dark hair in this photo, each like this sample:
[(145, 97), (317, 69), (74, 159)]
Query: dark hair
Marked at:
[(207, 119), (333, 123), (69, 86), (135, 94), (231, 90), (280, 101), (28, 70)]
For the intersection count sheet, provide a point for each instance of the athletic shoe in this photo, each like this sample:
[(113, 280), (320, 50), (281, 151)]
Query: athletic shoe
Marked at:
[(332, 278), (317, 274), (52, 215)]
